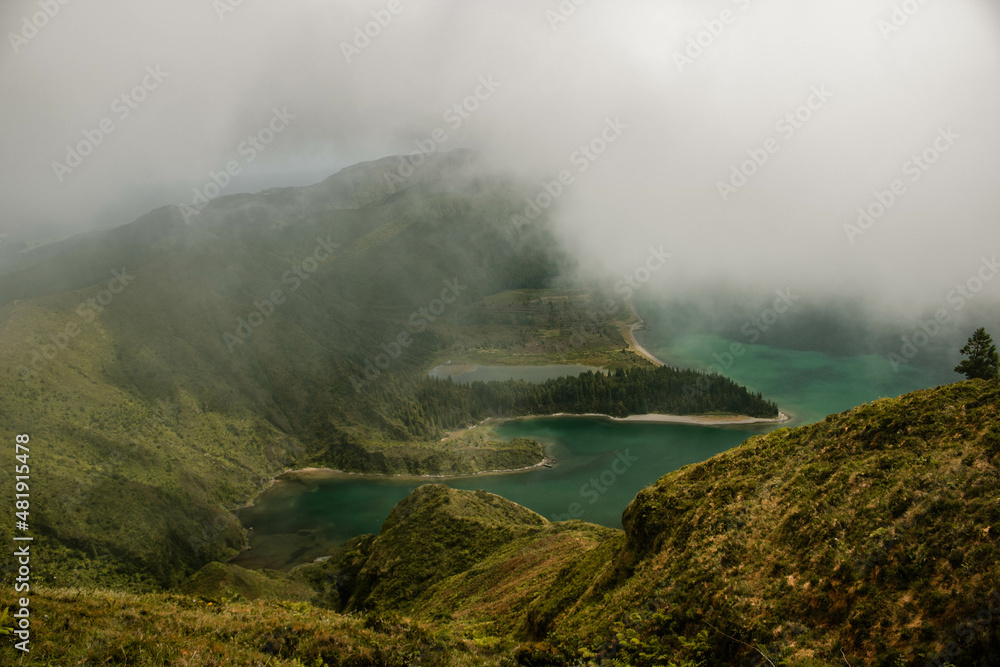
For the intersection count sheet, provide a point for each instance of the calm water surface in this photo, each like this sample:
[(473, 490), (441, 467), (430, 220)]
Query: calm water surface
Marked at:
[(601, 465)]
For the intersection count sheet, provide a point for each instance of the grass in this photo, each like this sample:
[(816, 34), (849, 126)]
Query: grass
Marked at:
[(869, 537), (219, 581), (149, 425), (539, 328), (99, 627), (870, 532)]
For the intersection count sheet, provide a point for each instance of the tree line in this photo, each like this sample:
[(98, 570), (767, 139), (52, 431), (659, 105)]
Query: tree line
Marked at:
[(443, 403)]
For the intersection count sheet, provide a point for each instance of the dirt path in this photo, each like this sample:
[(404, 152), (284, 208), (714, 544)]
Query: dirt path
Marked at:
[(634, 344)]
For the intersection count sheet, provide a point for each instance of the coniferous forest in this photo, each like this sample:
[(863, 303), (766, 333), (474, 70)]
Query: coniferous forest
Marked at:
[(625, 392)]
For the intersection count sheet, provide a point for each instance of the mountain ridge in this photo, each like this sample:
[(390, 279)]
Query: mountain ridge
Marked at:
[(173, 369)]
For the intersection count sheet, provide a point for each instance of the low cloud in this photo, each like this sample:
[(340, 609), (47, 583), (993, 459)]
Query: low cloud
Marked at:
[(369, 79)]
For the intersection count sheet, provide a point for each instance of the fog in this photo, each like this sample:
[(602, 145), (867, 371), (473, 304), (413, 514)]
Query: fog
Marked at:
[(820, 108)]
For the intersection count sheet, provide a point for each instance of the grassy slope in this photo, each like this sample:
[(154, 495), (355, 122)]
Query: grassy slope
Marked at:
[(118, 476), (870, 535), (872, 532), (145, 428), (219, 581), (88, 627), (520, 588), (540, 327), (432, 534)]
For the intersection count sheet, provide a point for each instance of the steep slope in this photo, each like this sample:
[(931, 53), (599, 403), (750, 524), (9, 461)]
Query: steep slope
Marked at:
[(171, 367), (872, 533), (432, 534), (163, 381), (487, 567), (866, 539)]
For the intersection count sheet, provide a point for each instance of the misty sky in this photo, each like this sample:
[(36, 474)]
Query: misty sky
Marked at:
[(881, 94)]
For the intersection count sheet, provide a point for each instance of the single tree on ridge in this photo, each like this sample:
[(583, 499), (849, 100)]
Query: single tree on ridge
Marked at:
[(982, 360)]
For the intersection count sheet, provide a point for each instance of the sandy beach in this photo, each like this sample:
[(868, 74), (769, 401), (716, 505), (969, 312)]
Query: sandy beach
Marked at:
[(704, 420), (306, 474), (698, 420), (634, 343)]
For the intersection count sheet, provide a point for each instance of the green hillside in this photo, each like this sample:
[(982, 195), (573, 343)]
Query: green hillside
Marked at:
[(871, 533), (868, 539), (168, 369), (137, 398)]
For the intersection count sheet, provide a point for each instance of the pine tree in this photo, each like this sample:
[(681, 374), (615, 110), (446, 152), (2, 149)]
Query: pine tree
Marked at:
[(982, 360)]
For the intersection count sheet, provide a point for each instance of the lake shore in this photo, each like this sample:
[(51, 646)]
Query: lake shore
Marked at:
[(304, 474), (634, 342), (698, 420)]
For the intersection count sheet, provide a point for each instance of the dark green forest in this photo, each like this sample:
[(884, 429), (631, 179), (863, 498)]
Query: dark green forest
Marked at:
[(443, 403)]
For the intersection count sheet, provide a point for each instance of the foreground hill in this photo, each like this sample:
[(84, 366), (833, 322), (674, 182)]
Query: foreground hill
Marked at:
[(867, 539), (872, 533)]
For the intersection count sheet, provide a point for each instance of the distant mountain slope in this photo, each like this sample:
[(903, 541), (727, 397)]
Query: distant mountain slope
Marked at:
[(168, 368)]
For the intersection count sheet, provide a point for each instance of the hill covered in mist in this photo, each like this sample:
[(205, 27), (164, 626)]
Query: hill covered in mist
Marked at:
[(169, 368)]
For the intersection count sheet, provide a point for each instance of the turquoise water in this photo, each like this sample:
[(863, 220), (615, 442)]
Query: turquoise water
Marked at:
[(601, 465), (806, 385)]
